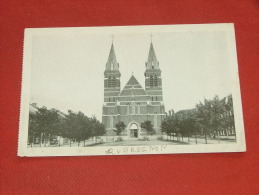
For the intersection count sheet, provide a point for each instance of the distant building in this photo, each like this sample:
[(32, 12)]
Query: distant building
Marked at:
[(33, 109), (35, 137), (133, 104), (227, 117)]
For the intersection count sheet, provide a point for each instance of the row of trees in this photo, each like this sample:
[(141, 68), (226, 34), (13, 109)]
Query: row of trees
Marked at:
[(209, 118), (45, 124), (146, 125)]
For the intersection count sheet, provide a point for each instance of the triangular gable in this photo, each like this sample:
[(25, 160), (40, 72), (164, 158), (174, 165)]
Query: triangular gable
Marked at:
[(132, 89)]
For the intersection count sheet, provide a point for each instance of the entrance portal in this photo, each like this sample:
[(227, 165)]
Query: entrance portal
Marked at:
[(133, 131)]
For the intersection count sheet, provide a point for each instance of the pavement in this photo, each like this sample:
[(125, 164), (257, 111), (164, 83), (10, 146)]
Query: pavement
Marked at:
[(192, 141), (136, 142)]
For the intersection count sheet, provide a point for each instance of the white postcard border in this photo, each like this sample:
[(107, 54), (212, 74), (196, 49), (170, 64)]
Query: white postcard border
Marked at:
[(24, 150)]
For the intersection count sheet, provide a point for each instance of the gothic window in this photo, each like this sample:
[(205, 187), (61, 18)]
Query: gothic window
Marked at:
[(109, 81), (128, 109), (151, 81), (112, 66), (138, 108), (133, 107), (156, 98), (155, 120), (155, 81), (152, 98), (114, 82), (111, 121)]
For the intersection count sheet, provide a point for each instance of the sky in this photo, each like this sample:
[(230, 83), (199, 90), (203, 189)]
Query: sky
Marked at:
[(67, 70)]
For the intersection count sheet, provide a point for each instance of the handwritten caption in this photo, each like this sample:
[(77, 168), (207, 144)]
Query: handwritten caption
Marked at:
[(135, 149)]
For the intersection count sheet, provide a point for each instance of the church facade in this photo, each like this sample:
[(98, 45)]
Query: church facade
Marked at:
[(133, 104)]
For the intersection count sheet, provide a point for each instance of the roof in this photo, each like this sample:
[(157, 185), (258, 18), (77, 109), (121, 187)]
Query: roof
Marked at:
[(112, 61), (152, 62), (33, 109)]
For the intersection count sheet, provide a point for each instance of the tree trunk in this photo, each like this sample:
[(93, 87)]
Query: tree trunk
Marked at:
[(44, 138), (70, 142), (188, 138), (206, 138), (182, 137), (218, 136), (84, 143), (196, 138), (40, 139), (32, 142), (78, 143)]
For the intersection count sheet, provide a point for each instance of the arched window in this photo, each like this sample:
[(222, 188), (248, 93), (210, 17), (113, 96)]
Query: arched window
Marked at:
[(109, 81), (111, 121), (133, 106), (112, 66), (151, 81), (138, 108), (128, 109), (155, 81), (155, 120), (114, 81)]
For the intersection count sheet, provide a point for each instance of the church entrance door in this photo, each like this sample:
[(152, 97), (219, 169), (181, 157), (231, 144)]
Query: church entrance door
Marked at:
[(133, 131)]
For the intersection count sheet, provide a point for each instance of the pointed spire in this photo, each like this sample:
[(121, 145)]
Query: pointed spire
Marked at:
[(112, 61), (152, 62)]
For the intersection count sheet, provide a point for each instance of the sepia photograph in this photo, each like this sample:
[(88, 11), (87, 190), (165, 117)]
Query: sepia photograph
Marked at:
[(123, 90)]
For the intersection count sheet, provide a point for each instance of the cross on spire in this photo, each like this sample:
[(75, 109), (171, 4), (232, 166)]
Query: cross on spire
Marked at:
[(112, 38), (151, 37)]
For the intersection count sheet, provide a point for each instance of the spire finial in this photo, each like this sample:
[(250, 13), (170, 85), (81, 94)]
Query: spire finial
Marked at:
[(151, 37), (132, 73), (112, 38)]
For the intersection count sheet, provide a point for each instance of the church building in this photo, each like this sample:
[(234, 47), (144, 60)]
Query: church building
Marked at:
[(133, 104)]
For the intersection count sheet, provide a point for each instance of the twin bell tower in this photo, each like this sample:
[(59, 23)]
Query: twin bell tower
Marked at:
[(132, 105)]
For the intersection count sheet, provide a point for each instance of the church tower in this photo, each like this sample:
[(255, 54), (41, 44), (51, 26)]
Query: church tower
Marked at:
[(111, 78), (153, 80)]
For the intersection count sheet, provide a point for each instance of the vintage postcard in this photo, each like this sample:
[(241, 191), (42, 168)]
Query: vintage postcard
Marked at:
[(124, 90)]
